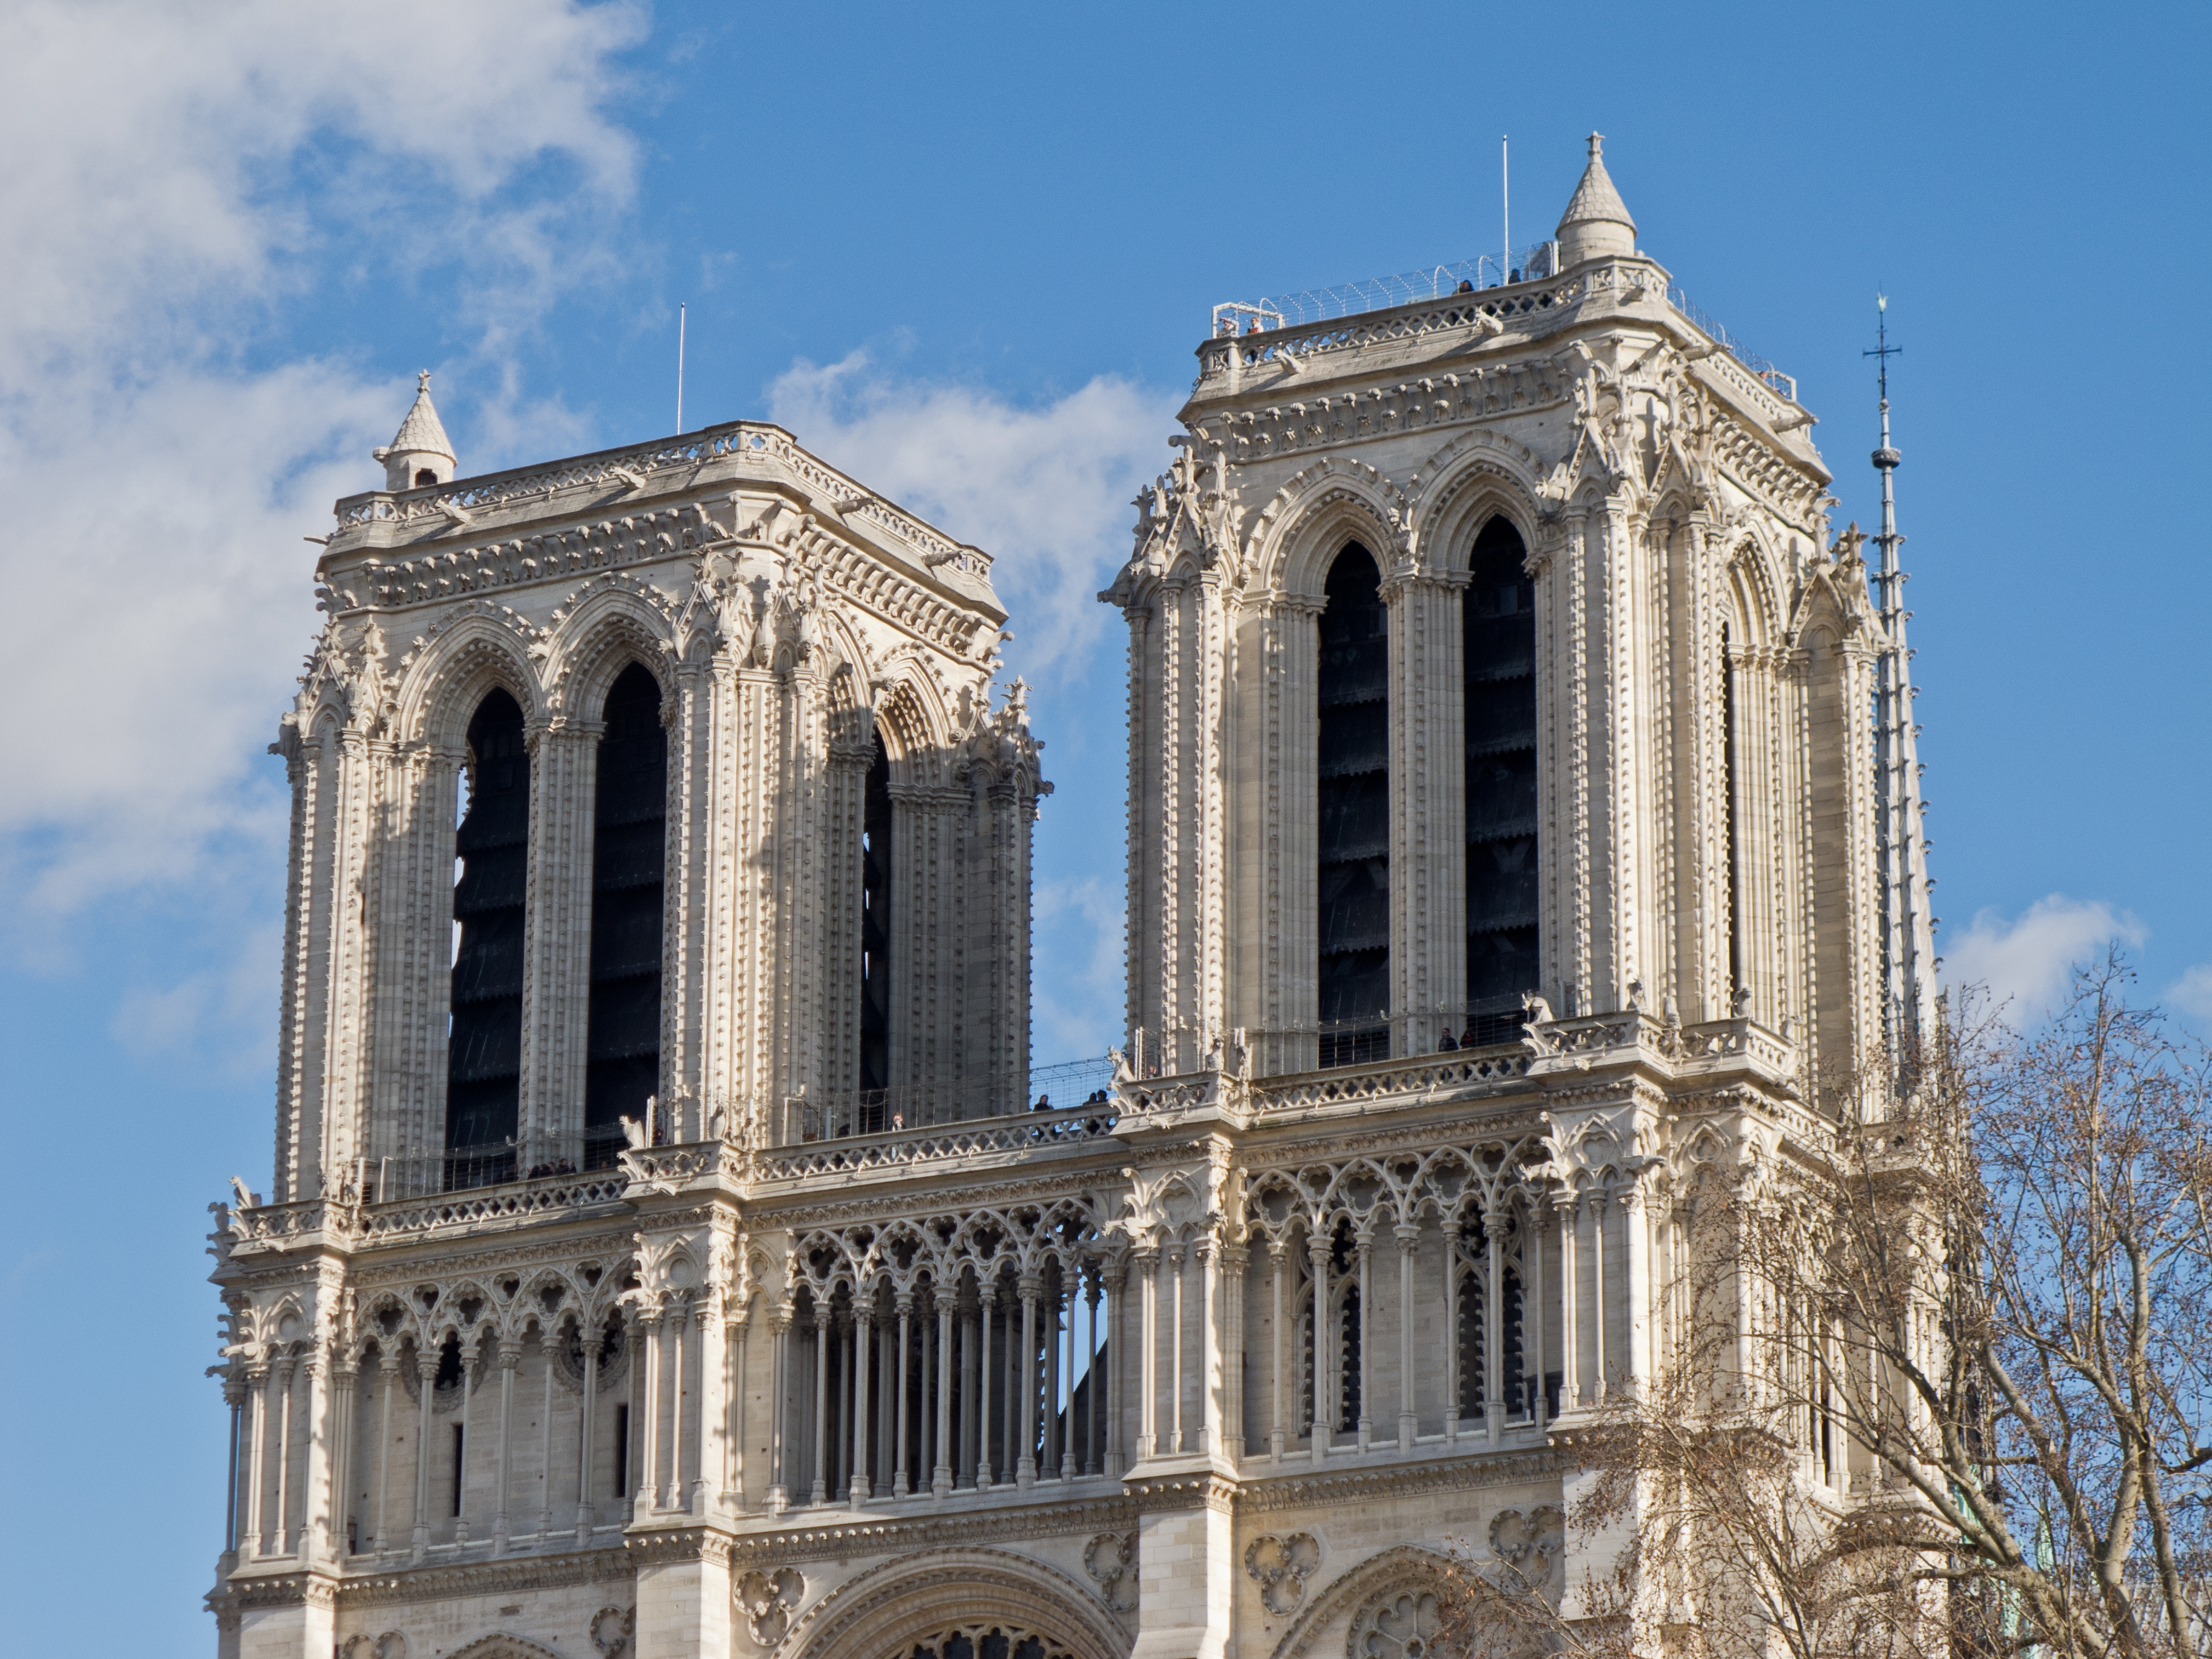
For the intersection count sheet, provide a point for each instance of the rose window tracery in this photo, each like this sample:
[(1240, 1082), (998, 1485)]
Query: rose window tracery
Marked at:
[(986, 1641), (1400, 1626)]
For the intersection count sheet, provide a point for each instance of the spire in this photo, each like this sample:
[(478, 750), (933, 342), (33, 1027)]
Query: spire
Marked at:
[(1596, 225), (420, 454), (1908, 930)]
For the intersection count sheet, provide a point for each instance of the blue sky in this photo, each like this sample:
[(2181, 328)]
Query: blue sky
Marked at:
[(966, 252)]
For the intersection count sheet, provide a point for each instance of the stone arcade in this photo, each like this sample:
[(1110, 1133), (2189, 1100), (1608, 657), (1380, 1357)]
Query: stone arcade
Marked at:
[(663, 1257)]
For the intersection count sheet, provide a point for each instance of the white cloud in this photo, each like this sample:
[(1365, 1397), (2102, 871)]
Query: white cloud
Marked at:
[(1045, 490), (1076, 985), (2192, 991), (2025, 964), (215, 1019), (180, 170)]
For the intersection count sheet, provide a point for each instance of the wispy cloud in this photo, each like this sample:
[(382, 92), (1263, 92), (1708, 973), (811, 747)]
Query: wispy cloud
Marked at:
[(184, 172), (2023, 962), (1076, 1005), (2192, 992), (1044, 488)]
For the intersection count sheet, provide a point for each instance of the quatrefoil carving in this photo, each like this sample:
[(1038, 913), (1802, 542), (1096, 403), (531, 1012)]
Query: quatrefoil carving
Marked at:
[(1280, 1567), (1111, 1559), (612, 1629), (1529, 1543), (769, 1602)]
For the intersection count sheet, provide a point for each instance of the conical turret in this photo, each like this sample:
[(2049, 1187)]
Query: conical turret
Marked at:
[(1596, 225), (420, 454)]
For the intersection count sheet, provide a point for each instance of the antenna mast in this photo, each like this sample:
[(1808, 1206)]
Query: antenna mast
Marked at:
[(1505, 202), (681, 309), (1908, 930)]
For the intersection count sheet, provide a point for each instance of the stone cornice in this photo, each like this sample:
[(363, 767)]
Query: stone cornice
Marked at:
[(1389, 1480), (835, 1540), (516, 1573)]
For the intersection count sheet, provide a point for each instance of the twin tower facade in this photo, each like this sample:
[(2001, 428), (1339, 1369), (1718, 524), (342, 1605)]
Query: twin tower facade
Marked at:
[(670, 1250)]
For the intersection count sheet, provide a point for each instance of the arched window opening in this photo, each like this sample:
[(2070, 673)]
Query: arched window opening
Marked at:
[(424, 478), (629, 865), (1474, 1339), (1732, 854), (1343, 1263), (483, 1051), (876, 942), (1499, 632), (1353, 770)]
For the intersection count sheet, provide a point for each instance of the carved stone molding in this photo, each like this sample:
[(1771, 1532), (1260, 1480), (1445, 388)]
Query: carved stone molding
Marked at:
[(886, 1537), (1280, 1567), (1360, 1486), (880, 1611), (684, 1544), (392, 1645), (420, 1585), (1158, 1493)]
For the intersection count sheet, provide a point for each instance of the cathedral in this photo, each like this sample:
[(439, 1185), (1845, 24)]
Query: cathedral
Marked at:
[(671, 1248)]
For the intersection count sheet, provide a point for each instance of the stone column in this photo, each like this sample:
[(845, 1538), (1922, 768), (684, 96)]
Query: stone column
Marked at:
[(338, 1500), (510, 1356), (1451, 1366), (940, 1474), (426, 1373), (1117, 1281), (1318, 1255), (859, 1488), (1428, 796), (986, 1298), (557, 937), (257, 1382), (1495, 1221), (1025, 1470), (1363, 1247), (387, 1384), (1408, 1239)]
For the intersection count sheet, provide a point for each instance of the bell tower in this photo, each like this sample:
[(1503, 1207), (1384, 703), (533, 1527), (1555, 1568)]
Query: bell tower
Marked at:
[(1491, 647)]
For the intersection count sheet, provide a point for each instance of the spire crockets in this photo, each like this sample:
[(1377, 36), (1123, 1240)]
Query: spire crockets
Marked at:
[(420, 454), (1596, 225), (1908, 930)]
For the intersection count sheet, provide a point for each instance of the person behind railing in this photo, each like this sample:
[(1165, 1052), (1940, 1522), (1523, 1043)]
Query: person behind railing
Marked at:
[(1468, 1039), (1447, 1043), (1043, 1103)]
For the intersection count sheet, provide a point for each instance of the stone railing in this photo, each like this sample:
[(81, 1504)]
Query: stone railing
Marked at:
[(898, 1149), (476, 1206), (627, 468), (1226, 358), (1449, 1072), (278, 1224)]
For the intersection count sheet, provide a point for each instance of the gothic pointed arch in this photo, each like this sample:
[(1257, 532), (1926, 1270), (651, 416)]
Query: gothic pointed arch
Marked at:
[(1394, 1573), (443, 679), (905, 1603), (502, 1646), (1308, 520)]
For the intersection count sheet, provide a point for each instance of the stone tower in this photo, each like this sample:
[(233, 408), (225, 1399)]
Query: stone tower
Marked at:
[(666, 1255)]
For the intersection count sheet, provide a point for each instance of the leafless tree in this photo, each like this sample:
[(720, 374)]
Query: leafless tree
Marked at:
[(1939, 1376)]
